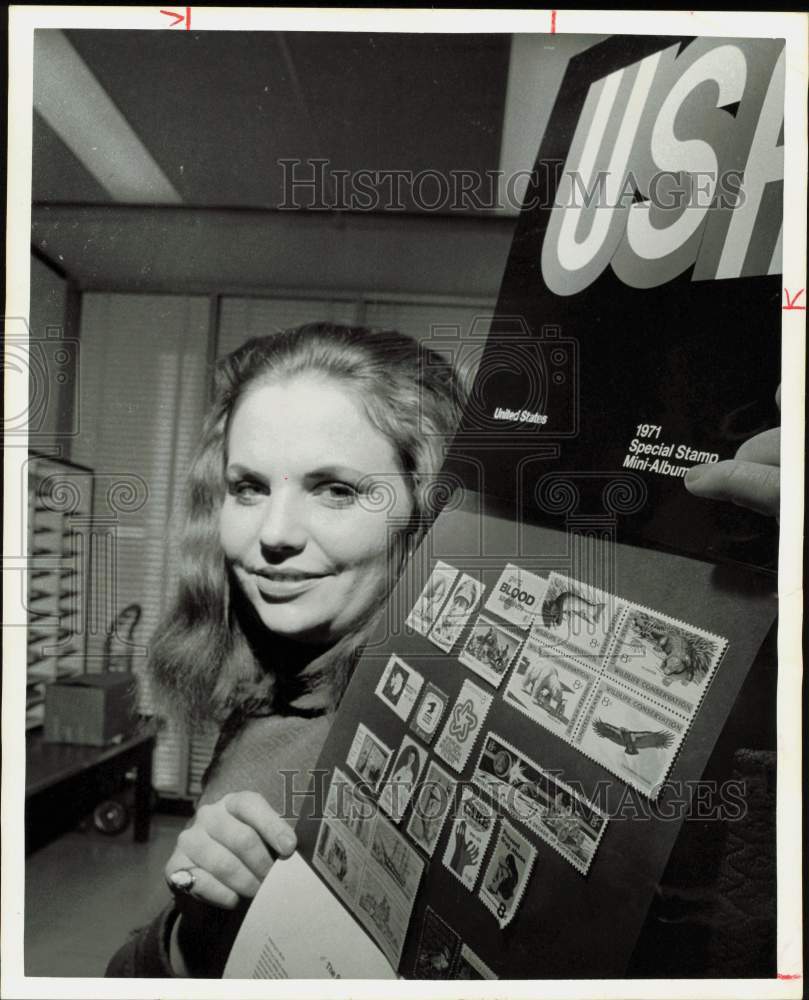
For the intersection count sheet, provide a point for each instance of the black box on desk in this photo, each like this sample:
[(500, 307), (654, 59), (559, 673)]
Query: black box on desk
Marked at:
[(91, 709)]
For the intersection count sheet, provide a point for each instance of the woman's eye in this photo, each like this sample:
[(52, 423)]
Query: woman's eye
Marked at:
[(245, 490), (339, 494)]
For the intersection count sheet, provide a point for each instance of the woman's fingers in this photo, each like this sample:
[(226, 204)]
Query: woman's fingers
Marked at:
[(764, 448), (206, 887), (253, 809), (218, 860), (748, 484), (239, 837)]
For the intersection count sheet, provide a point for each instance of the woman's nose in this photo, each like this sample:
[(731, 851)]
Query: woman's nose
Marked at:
[(282, 531)]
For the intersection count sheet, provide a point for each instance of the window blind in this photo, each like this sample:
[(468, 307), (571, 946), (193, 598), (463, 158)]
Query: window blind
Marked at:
[(242, 318)]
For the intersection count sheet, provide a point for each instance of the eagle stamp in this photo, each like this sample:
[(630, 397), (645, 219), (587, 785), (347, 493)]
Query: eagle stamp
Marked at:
[(567, 821), (406, 771), (430, 807), (469, 837), (430, 712), (460, 604), (507, 875), (399, 687), (549, 688), (577, 617), (667, 660), (632, 738), (489, 650), (425, 611), (517, 596), (368, 757), (463, 724)]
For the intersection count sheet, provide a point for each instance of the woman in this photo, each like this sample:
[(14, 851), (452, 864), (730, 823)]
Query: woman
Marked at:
[(311, 484)]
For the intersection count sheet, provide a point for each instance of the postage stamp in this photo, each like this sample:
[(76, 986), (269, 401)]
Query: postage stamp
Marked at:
[(356, 814), (429, 713), (577, 617), (430, 807), (337, 860), (563, 818), (425, 611), (368, 757), (384, 913), (549, 688), (630, 737), (399, 862), (489, 650), (667, 660), (399, 686), (469, 966), (463, 724), (517, 596), (463, 600), (437, 949), (507, 875), (406, 771), (469, 837)]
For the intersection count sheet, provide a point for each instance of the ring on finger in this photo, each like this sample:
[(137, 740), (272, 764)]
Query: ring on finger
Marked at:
[(182, 881)]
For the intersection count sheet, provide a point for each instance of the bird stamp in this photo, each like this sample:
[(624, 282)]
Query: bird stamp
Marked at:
[(567, 821), (460, 604), (428, 605), (666, 660), (469, 837), (632, 738), (507, 875)]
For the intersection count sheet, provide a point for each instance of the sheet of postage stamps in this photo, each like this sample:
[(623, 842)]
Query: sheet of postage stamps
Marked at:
[(405, 773), (463, 724), (549, 688), (546, 805), (632, 738), (399, 686), (462, 601), (368, 757), (469, 837), (430, 807), (517, 596), (490, 650), (507, 874), (425, 611), (665, 659), (430, 712), (577, 617)]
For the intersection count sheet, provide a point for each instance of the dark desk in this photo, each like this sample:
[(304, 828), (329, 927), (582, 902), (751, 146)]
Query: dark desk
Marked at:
[(64, 782)]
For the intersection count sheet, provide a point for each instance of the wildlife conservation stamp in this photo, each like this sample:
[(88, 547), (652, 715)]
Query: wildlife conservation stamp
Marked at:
[(549, 688), (489, 650), (630, 737), (666, 660), (510, 866), (577, 617)]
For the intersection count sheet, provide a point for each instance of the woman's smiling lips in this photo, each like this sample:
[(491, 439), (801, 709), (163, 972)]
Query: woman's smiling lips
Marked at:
[(284, 585)]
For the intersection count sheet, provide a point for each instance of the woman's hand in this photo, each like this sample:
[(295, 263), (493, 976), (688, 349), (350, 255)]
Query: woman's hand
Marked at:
[(751, 479), (230, 846)]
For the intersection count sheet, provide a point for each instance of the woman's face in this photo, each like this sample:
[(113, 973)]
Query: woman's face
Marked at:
[(299, 527)]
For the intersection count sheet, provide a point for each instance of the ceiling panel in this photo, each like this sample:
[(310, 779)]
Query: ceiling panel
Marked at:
[(58, 176)]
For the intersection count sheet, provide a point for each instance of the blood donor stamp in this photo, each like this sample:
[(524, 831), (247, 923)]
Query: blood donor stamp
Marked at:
[(430, 807), (549, 688), (469, 966), (406, 771), (550, 808), (469, 837), (632, 738), (489, 650), (399, 686), (462, 601), (507, 874), (665, 659), (577, 617), (437, 948), (368, 757), (466, 717), (338, 860), (429, 712), (517, 596), (425, 611)]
